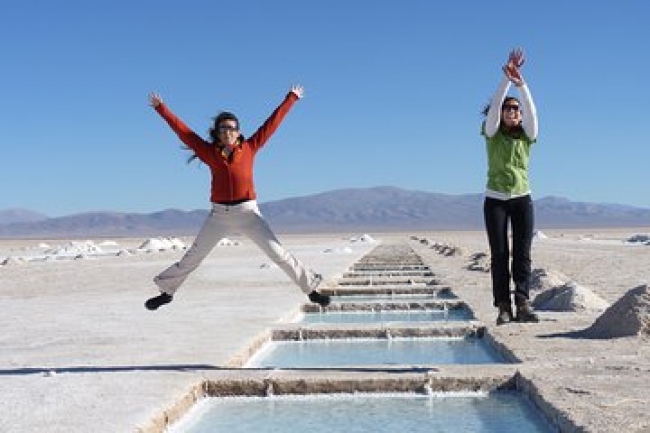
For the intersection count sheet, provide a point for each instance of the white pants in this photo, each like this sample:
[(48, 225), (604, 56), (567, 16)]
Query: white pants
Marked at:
[(246, 219)]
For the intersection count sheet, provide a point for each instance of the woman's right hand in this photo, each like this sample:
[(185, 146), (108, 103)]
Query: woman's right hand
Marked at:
[(511, 69), (516, 58), (155, 99)]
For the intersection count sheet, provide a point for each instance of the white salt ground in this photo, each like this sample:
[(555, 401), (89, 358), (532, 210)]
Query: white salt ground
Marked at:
[(588, 363), (79, 353)]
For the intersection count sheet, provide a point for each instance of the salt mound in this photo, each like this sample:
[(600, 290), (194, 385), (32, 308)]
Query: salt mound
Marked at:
[(541, 279), (363, 238), (629, 316), (13, 261), (479, 262), (340, 250), (75, 248), (444, 249), (639, 239), (569, 297), (539, 235), (161, 244), (225, 242)]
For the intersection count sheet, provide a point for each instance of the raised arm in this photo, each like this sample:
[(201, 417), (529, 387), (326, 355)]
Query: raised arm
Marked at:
[(493, 118), (529, 116), (261, 136), (186, 135), (513, 72)]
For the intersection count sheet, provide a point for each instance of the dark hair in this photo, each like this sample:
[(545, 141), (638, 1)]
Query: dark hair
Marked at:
[(213, 132), (507, 99), (516, 131)]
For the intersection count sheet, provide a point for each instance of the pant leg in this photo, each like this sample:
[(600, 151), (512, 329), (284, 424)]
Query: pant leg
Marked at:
[(214, 228), (496, 223), (522, 218), (253, 225)]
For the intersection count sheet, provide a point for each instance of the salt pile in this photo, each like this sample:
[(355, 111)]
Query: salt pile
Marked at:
[(629, 316), (12, 261), (479, 262), (569, 297), (558, 293), (446, 249), (225, 242), (363, 238), (338, 250), (639, 239), (542, 279), (539, 235), (74, 249), (161, 244)]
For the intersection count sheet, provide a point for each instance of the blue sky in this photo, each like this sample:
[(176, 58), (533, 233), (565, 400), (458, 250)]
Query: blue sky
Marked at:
[(393, 93)]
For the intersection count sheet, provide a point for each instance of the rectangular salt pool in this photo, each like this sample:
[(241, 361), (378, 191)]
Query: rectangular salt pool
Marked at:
[(373, 352), (498, 412), (384, 316), (387, 297)]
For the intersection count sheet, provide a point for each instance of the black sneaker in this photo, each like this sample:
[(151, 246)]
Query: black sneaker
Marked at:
[(505, 315), (317, 298), (157, 301), (525, 314)]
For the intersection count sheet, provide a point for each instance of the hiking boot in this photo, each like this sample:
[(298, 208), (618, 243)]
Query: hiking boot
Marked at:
[(505, 314), (525, 313), (157, 301), (320, 299)]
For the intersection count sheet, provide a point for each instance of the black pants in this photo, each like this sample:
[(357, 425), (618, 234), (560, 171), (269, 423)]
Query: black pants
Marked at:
[(497, 213)]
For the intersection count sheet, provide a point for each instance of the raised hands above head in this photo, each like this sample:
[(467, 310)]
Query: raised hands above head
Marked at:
[(155, 99), (516, 58), (512, 67)]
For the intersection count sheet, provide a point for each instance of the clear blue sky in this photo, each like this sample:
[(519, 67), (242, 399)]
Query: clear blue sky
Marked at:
[(393, 93)]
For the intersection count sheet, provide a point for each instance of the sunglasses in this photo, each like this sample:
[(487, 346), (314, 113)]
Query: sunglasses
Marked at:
[(509, 107), (226, 128)]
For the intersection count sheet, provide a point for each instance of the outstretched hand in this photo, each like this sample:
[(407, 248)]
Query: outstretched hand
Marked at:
[(298, 90), (516, 58), (155, 99), (512, 68)]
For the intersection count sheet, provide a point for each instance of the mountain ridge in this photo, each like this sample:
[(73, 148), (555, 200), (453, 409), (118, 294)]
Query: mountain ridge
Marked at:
[(382, 208)]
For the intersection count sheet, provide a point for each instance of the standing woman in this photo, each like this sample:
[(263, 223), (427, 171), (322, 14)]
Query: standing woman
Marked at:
[(510, 129), (230, 158)]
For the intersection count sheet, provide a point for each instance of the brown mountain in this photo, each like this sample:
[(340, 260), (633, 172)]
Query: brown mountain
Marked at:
[(364, 209)]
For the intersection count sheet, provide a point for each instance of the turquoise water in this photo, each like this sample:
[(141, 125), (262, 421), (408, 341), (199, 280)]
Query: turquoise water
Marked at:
[(382, 297), (373, 352), (498, 412), (384, 316)]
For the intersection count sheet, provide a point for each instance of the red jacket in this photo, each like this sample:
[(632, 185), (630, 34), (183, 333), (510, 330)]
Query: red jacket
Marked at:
[(231, 180)]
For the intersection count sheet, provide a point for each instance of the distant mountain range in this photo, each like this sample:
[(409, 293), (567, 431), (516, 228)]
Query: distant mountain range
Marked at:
[(345, 210)]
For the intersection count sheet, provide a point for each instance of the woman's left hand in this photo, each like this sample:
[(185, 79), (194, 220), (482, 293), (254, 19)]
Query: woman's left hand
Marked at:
[(512, 68), (298, 90), (514, 75)]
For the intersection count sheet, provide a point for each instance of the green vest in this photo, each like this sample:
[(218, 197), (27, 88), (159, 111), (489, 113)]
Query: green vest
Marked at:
[(508, 162)]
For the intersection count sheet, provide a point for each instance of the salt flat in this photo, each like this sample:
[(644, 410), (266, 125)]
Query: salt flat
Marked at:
[(78, 351)]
